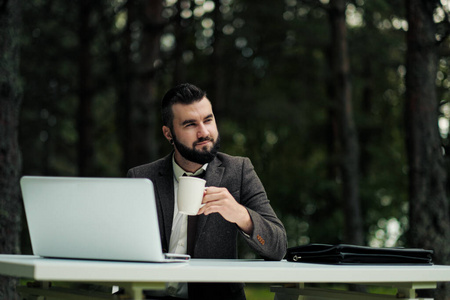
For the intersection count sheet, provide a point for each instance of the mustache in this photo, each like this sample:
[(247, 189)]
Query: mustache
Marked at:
[(203, 139)]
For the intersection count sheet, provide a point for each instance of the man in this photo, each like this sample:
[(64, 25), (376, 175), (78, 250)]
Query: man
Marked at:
[(235, 200)]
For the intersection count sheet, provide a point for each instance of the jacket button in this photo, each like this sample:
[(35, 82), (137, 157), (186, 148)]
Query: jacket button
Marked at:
[(260, 239)]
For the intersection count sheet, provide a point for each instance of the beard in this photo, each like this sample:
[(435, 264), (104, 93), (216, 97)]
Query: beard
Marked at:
[(203, 156)]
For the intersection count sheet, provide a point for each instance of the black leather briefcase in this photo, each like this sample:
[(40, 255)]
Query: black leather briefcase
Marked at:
[(350, 254)]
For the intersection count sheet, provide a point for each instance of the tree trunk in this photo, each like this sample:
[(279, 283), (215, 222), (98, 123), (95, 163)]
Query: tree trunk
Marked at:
[(217, 63), (10, 157), (145, 105), (181, 32), (84, 118), (346, 130), (366, 135), (429, 209), (123, 79)]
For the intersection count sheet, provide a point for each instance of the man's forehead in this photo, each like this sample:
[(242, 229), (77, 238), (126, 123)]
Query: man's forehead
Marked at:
[(197, 108)]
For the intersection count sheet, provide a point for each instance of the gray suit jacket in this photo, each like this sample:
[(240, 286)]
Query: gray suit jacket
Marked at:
[(216, 237)]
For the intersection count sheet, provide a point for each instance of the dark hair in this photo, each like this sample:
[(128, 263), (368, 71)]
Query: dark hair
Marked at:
[(185, 93)]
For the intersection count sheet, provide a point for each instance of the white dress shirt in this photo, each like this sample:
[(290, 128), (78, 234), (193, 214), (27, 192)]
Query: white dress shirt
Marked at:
[(178, 236)]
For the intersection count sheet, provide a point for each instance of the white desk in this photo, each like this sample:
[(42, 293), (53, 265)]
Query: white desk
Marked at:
[(136, 276)]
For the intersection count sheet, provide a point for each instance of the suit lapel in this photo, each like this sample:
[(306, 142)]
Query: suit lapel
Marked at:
[(166, 199), (165, 195), (214, 173), (213, 177)]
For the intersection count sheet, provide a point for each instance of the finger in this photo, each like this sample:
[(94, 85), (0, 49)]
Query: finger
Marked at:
[(201, 210), (212, 209), (215, 190), (213, 196)]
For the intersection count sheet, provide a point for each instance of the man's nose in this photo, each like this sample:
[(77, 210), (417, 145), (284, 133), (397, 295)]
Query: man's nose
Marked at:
[(202, 131)]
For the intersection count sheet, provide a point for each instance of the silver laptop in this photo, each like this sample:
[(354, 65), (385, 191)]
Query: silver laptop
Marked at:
[(94, 218)]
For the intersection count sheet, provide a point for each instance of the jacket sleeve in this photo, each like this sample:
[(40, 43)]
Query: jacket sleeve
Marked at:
[(268, 238)]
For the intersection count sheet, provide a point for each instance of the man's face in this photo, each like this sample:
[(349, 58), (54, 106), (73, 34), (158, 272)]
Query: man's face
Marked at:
[(195, 133)]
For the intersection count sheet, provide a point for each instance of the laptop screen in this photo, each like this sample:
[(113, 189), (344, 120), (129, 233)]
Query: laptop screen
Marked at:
[(92, 218)]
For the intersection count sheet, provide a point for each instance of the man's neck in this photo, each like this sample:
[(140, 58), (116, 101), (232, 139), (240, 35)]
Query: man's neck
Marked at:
[(185, 164)]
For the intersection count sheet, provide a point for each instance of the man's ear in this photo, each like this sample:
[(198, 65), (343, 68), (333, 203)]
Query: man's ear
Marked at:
[(167, 134)]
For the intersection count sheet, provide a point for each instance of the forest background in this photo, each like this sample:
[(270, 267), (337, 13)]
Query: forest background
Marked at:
[(342, 106)]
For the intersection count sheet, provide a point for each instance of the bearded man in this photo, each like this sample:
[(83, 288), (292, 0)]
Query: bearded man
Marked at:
[(235, 202)]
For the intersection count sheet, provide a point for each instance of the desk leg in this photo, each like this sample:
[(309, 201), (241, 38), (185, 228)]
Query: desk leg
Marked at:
[(44, 291), (406, 291)]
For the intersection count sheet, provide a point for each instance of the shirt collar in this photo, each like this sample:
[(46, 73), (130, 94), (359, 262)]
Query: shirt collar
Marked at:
[(178, 171)]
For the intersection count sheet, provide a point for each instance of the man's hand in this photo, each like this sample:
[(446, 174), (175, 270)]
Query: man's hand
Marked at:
[(219, 200)]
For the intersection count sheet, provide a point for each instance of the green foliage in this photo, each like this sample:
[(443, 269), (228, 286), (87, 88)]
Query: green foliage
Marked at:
[(275, 82), (258, 292)]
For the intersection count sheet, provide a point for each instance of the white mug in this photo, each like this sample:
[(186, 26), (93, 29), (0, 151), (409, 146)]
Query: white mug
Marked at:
[(190, 194)]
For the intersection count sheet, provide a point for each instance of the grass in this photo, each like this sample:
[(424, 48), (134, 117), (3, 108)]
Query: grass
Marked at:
[(255, 291)]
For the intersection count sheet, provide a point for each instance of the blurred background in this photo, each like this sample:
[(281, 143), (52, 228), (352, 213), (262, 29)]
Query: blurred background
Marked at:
[(315, 92)]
